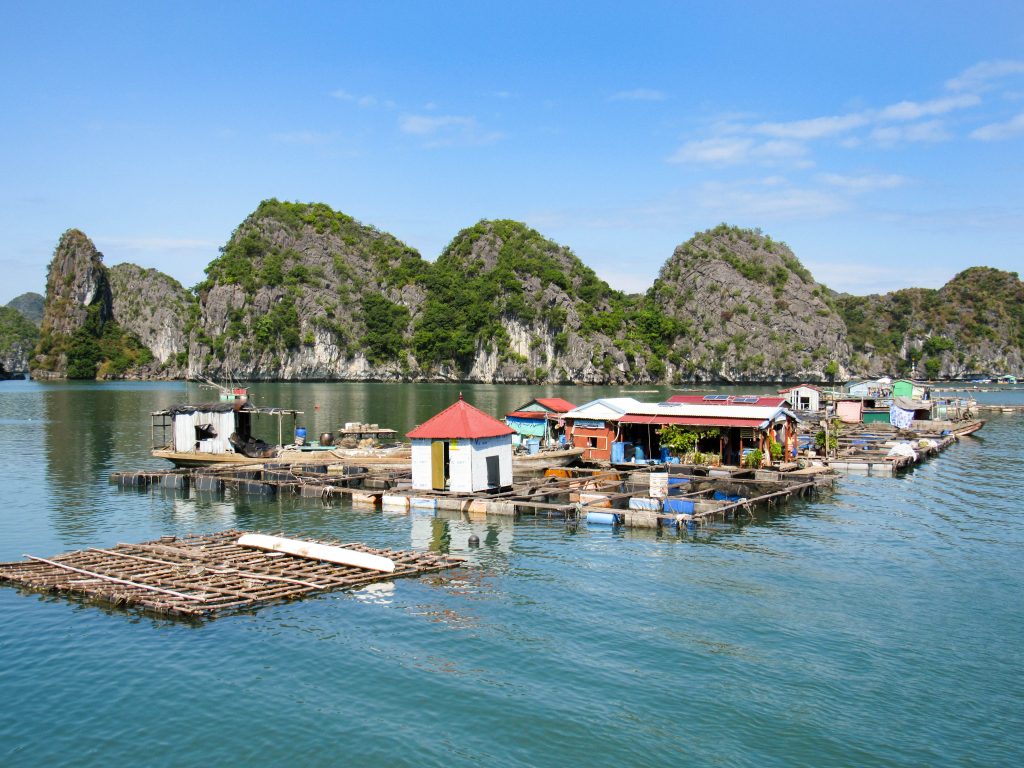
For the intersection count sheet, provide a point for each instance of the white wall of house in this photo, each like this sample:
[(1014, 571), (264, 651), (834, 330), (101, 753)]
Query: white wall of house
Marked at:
[(421, 479), (481, 449), (185, 432), (467, 463), (801, 395)]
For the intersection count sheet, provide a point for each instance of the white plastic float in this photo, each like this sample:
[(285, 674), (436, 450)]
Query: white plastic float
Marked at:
[(312, 551)]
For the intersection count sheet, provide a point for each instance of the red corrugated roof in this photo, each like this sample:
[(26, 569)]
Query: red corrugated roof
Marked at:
[(692, 421), (773, 402), (556, 404), (532, 415), (461, 421)]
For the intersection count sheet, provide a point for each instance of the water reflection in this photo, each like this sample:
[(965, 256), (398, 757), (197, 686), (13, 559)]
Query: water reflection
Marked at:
[(449, 532)]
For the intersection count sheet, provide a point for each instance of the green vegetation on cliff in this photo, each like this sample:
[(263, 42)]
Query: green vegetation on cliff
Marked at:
[(498, 271), (301, 290), (977, 316), (18, 337)]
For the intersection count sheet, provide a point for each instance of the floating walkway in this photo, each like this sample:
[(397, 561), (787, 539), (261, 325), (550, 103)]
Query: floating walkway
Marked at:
[(639, 497), (203, 576)]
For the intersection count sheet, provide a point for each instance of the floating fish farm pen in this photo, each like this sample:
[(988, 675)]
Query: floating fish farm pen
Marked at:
[(200, 577)]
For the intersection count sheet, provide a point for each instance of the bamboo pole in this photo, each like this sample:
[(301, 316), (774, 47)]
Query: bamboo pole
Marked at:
[(182, 595), (249, 573)]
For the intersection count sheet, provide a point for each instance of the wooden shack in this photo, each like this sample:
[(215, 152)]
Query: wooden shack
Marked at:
[(732, 423), (463, 450), (541, 419), (594, 426), (803, 397)]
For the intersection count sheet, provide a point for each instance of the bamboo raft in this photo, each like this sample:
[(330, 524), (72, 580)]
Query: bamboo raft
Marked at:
[(201, 577)]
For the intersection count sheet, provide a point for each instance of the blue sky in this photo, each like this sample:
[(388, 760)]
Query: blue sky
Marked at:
[(884, 142)]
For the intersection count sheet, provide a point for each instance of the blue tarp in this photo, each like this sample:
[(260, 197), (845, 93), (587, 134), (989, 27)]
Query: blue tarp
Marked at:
[(900, 418)]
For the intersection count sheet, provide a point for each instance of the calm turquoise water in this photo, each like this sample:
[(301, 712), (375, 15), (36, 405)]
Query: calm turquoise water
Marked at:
[(881, 625)]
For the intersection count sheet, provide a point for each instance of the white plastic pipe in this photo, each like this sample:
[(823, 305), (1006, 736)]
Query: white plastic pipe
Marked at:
[(313, 551)]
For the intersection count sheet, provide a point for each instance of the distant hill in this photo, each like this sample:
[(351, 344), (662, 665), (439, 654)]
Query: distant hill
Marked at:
[(303, 292), (30, 305), (80, 338), (18, 337), (747, 310), (973, 324)]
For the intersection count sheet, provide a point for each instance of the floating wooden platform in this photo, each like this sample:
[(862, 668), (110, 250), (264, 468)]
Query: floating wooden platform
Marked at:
[(203, 576)]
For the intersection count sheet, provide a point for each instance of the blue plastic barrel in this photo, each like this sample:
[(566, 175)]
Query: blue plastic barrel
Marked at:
[(617, 453), (533, 446), (602, 518), (638, 452), (300, 435), (664, 455)]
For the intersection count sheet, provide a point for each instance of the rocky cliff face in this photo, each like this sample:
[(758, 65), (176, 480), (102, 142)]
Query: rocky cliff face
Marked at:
[(157, 310), (80, 337), (505, 304), (303, 292), (18, 338), (77, 288), (747, 310), (973, 324)]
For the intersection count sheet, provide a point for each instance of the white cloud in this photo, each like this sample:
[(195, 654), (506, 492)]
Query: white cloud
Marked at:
[(777, 200), (931, 131), (719, 151), (444, 130), (365, 101), (915, 110), (639, 94), (733, 151), (865, 182), (778, 150), (813, 128), (1000, 131), (979, 77)]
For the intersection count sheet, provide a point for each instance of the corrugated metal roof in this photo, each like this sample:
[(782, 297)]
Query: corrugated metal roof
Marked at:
[(462, 421), (729, 401), (719, 409), (692, 421), (556, 404), (604, 409)]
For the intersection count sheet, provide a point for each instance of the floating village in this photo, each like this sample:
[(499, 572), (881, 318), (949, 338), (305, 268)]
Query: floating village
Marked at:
[(675, 465)]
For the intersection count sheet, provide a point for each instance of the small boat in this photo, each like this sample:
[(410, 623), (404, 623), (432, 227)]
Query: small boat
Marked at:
[(543, 459), (967, 427)]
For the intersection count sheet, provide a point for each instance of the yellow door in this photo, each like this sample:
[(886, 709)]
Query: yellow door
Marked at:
[(437, 465)]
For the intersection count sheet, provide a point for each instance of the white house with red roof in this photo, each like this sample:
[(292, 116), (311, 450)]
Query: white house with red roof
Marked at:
[(462, 450)]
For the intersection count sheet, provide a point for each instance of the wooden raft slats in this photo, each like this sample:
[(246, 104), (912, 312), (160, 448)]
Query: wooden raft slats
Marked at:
[(201, 576)]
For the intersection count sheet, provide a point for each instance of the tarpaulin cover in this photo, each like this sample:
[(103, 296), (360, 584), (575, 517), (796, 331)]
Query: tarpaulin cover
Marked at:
[(900, 418)]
